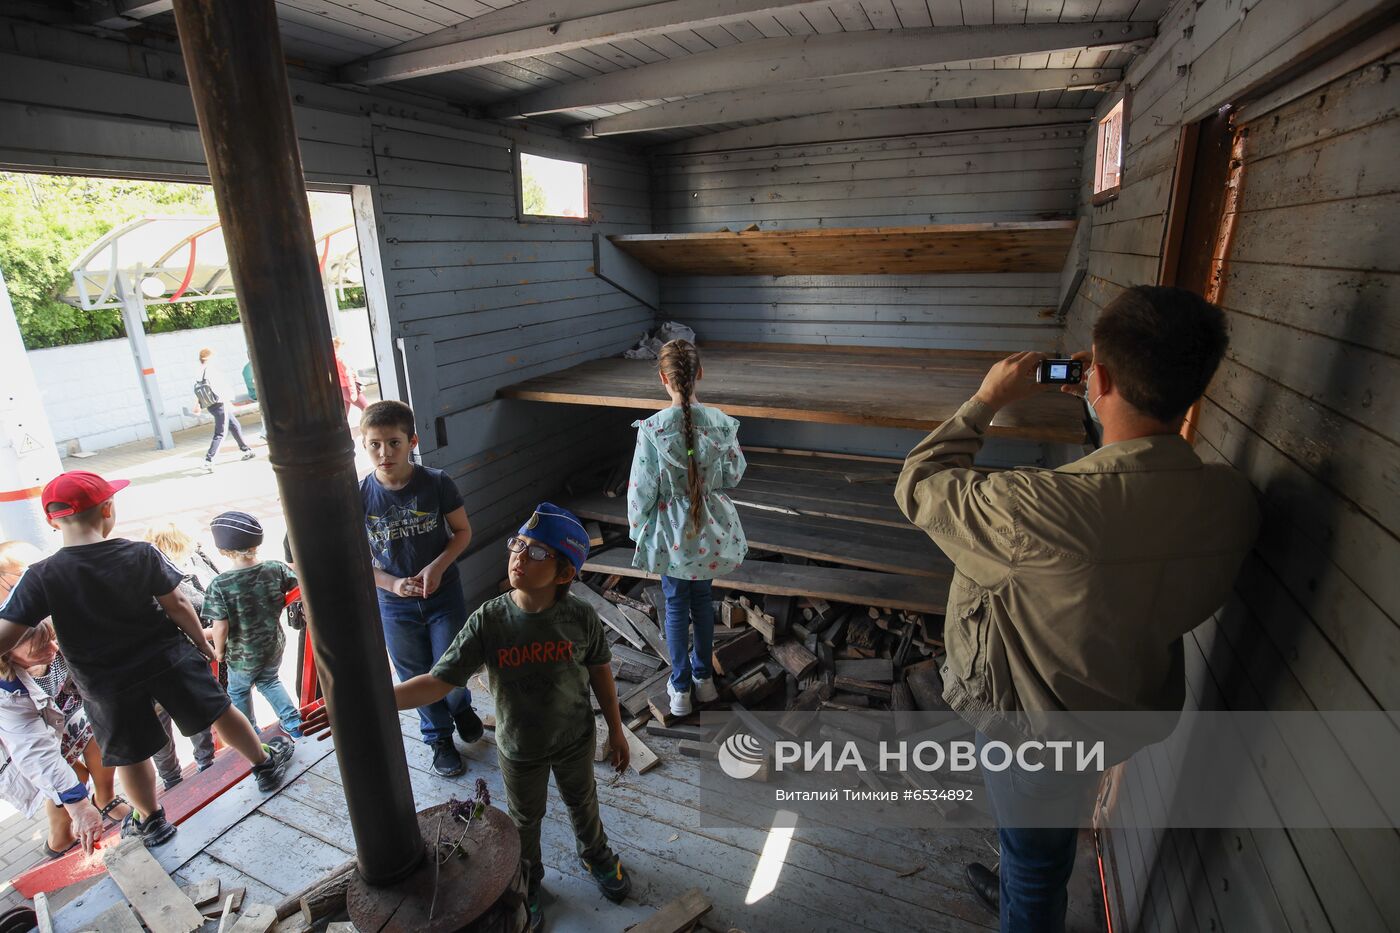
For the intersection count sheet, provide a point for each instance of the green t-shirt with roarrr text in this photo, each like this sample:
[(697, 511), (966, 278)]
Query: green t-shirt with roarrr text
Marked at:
[(537, 667)]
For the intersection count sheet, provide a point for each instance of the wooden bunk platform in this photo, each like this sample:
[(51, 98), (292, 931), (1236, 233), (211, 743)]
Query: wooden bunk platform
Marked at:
[(883, 387), (1032, 246), (824, 508)]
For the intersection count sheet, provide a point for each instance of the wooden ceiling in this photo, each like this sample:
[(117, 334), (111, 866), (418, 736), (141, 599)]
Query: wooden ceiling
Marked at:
[(1038, 246), (620, 66)]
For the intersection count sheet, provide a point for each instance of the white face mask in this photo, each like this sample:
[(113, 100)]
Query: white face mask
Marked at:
[(1089, 402)]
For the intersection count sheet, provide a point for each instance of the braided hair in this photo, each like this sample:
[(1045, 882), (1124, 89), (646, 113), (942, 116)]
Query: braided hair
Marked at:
[(679, 362)]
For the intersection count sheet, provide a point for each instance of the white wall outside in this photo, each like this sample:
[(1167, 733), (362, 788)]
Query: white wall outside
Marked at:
[(91, 394)]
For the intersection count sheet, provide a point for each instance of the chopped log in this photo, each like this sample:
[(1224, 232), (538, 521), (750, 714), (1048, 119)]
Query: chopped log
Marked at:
[(733, 614), (754, 688), (779, 609), (764, 624), (730, 656), (860, 633), (863, 687), (660, 705), (795, 658), (338, 877), (815, 609), (876, 670), (906, 643), (834, 634), (800, 715), (676, 916), (595, 534), (625, 670), (926, 684), (639, 658)]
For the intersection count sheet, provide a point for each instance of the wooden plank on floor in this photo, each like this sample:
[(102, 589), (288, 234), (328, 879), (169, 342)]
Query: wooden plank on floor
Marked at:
[(156, 897), (836, 584), (677, 915)]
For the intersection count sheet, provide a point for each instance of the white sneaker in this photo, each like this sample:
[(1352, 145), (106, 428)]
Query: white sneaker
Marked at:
[(680, 701), (705, 690)]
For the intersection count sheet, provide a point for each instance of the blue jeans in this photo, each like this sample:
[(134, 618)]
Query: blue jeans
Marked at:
[(689, 604), (1036, 862), (417, 632), (240, 691)]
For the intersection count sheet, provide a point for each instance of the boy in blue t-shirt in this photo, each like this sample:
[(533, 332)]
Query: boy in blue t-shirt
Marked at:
[(417, 529)]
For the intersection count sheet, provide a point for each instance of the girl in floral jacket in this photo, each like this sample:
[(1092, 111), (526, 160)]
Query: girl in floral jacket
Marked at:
[(685, 527)]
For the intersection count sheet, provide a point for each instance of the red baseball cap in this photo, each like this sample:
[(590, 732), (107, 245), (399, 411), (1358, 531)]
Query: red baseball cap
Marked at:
[(77, 491)]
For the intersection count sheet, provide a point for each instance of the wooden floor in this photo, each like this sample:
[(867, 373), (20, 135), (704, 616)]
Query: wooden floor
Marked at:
[(916, 389), (837, 877)]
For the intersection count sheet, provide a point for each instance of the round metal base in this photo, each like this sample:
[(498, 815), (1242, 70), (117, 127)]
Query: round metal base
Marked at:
[(467, 885)]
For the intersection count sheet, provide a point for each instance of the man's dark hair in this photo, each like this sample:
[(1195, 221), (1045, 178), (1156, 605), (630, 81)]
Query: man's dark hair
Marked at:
[(1162, 346), (389, 414)]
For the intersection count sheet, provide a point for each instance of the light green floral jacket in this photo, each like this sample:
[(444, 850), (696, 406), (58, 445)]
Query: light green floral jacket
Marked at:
[(658, 505)]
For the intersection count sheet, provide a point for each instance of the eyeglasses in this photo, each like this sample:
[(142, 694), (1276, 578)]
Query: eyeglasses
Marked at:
[(533, 551)]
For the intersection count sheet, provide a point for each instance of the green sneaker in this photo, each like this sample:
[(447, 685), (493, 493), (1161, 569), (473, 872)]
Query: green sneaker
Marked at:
[(532, 902), (611, 879)]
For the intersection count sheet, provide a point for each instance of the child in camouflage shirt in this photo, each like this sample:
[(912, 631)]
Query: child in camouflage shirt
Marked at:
[(542, 650), (245, 607)]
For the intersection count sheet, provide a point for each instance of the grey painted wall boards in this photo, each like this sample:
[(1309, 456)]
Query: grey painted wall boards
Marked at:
[(475, 299), (1303, 406), (1008, 174)]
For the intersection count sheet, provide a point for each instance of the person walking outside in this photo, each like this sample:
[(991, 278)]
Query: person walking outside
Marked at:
[(210, 392)]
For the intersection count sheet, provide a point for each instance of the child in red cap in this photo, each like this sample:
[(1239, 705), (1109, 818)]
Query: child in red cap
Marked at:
[(130, 638)]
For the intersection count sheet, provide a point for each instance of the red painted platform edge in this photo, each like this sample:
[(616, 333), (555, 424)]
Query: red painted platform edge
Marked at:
[(180, 802)]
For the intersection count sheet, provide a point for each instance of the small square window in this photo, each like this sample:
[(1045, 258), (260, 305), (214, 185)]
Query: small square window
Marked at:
[(1108, 157), (553, 187)]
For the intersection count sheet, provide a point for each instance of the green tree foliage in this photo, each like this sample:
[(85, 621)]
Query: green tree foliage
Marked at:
[(532, 193), (46, 221)]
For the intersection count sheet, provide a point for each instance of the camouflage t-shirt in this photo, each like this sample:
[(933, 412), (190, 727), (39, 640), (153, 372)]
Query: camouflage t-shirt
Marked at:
[(252, 600), (537, 667)]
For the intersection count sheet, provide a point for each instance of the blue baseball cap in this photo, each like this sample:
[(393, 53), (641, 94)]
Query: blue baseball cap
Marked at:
[(559, 529)]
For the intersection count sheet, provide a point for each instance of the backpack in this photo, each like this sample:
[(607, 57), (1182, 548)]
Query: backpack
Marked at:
[(204, 393)]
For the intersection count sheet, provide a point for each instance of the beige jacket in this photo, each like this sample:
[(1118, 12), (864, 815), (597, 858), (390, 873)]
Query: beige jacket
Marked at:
[(1073, 587)]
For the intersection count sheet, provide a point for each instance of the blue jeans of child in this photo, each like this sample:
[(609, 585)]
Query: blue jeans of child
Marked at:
[(240, 691), (1036, 862), (417, 632), (689, 605)]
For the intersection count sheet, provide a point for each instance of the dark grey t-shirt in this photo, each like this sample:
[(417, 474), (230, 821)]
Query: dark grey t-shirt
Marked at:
[(537, 665), (408, 527)]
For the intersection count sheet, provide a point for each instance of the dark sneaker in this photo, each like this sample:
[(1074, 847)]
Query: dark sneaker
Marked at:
[(171, 782), (154, 830), (611, 879), (447, 761), (270, 773), (469, 726), (532, 902)]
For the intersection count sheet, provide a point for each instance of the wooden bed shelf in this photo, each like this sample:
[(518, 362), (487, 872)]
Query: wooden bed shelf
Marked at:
[(1034, 246), (897, 388)]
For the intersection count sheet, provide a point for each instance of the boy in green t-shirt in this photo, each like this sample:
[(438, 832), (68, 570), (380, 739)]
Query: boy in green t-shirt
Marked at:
[(542, 649)]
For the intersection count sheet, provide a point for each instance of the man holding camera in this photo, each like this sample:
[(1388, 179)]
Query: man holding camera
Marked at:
[(1073, 587)]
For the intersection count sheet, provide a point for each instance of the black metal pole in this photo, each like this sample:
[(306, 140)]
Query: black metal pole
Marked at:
[(233, 55)]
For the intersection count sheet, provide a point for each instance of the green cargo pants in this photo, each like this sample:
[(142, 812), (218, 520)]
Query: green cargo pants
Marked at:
[(527, 792)]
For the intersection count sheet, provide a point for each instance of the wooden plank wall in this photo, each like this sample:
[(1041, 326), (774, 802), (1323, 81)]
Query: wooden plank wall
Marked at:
[(476, 299), (482, 300), (1304, 405), (990, 175)]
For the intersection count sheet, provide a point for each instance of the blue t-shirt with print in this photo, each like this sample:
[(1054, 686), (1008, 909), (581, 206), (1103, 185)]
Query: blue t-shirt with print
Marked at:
[(408, 527)]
